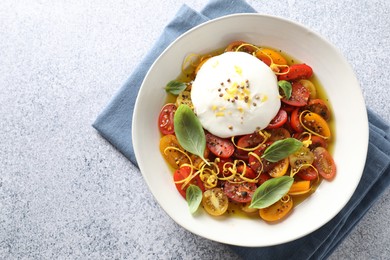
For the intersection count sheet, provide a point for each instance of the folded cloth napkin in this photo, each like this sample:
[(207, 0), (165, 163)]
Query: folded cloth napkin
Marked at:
[(114, 124)]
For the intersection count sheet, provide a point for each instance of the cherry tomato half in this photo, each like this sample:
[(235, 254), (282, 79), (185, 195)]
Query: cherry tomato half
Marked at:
[(172, 156), (276, 211), (220, 147), (165, 119), (294, 121), (299, 95), (317, 124), (319, 107), (297, 71), (308, 174), (215, 202), (324, 163), (249, 173), (278, 134), (239, 192), (278, 120), (181, 174)]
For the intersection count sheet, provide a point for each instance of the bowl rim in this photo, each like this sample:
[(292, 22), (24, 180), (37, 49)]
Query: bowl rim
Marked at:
[(364, 130)]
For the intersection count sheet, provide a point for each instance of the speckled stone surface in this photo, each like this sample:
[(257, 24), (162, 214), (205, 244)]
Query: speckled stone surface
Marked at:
[(65, 193)]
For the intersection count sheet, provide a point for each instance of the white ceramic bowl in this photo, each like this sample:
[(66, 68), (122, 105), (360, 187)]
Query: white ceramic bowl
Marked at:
[(341, 86)]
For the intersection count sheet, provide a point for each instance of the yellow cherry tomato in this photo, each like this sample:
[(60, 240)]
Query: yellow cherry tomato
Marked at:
[(215, 202)]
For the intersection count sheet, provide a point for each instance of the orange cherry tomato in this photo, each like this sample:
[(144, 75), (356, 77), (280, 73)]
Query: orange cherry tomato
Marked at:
[(316, 124), (276, 211), (279, 169), (265, 55), (172, 156)]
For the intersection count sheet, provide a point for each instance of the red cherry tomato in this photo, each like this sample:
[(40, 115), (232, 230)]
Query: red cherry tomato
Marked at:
[(317, 141), (319, 106), (181, 174), (221, 164), (220, 147), (299, 95), (239, 192), (294, 121), (165, 119), (247, 141), (297, 71), (278, 120), (324, 163), (263, 178), (254, 162), (249, 173), (307, 174), (278, 134)]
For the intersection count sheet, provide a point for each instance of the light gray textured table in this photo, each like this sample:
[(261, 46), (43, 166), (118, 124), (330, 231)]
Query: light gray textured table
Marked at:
[(67, 193)]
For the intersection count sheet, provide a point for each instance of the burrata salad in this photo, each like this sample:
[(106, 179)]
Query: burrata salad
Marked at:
[(246, 131)]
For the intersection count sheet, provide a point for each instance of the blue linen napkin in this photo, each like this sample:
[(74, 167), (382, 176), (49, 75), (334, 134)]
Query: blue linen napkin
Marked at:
[(115, 124)]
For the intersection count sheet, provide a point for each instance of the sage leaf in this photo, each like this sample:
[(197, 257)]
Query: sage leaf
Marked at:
[(286, 87), (271, 191), (193, 197), (281, 149), (189, 131), (175, 87)]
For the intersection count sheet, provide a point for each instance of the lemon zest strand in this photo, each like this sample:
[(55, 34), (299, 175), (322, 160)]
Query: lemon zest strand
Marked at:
[(308, 129)]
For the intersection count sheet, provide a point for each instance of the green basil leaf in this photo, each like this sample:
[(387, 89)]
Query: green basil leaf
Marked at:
[(175, 87), (271, 191), (193, 197), (281, 149), (286, 87), (189, 131)]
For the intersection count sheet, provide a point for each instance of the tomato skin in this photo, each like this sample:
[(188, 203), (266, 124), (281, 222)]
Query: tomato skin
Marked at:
[(209, 199), (249, 173), (308, 174), (265, 55), (181, 174), (279, 169), (239, 192), (276, 211), (278, 134), (263, 178), (316, 123), (173, 157), (297, 71), (165, 119), (299, 95), (220, 147), (278, 120), (324, 163), (317, 141), (319, 107), (294, 121), (221, 163)]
